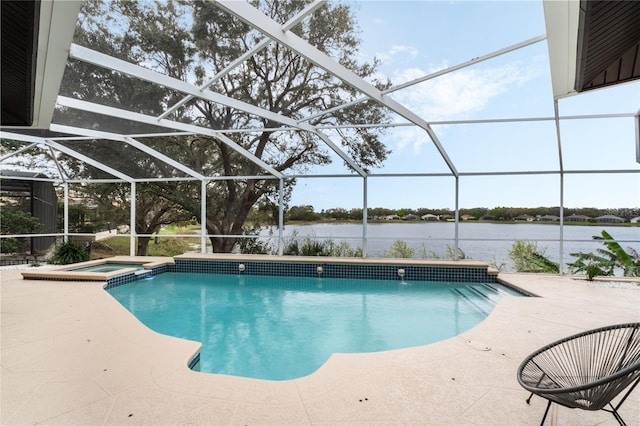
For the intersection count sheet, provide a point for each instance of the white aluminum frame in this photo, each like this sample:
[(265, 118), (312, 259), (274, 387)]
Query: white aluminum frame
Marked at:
[(559, 37)]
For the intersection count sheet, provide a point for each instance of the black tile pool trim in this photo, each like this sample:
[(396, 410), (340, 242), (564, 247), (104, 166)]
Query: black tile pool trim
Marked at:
[(329, 270), (135, 276)]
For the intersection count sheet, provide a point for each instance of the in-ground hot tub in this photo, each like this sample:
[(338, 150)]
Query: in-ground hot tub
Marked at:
[(100, 270)]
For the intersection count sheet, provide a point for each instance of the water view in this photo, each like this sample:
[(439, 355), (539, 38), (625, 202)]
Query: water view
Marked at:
[(489, 242)]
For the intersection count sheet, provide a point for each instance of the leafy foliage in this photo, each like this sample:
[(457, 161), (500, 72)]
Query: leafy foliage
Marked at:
[(307, 247), (526, 257), (13, 221), (605, 261), (254, 245), (399, 250), (453, 253), (311, 247), (69, 252)]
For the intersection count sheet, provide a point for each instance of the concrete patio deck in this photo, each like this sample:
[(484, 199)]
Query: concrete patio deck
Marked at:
[(72, 355)]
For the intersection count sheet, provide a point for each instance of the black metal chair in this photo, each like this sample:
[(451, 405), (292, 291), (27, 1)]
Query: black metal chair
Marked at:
[(586, 370)]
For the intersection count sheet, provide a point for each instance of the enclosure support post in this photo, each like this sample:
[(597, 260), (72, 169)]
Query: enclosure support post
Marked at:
[(203, 216), (561, 241), (280, 215), (556, 113), (132, 222), (457, 219), (65, 186), (364, 216)]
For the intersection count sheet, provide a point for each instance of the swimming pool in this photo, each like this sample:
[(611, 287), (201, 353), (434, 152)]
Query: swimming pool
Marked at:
[(282, 327)]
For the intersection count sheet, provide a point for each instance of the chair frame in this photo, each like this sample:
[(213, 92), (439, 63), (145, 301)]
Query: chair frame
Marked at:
[(531, 375)]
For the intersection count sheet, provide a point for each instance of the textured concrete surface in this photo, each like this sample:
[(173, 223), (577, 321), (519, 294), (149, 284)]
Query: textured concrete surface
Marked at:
[(72, 355)]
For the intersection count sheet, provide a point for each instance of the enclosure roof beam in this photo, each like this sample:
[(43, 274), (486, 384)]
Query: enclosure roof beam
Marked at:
[(273, 30), (136, 71), (433, 75), (147, 119), (19, 151), (97, 164), (63, 174), (117, 137), (68, 151)]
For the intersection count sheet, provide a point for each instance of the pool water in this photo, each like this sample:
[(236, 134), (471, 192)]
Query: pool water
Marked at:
[(108, 267), (280, 328)]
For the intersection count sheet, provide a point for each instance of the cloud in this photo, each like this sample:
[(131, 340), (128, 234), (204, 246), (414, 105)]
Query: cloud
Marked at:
[(454, 96), (398, 52)]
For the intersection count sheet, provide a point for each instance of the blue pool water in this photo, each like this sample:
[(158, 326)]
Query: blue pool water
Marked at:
[(280, 328), (108, 267)]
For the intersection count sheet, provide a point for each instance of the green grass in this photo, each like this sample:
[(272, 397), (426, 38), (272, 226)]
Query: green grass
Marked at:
[(119, 246), (180, 229)]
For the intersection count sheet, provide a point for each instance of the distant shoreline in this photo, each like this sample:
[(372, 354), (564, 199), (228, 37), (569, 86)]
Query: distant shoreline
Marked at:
[(498, 222)]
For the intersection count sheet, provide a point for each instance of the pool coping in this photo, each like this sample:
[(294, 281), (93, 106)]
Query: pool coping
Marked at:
[(65, 272)]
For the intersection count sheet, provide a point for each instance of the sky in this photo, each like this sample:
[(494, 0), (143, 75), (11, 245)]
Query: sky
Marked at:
[(416, 38)]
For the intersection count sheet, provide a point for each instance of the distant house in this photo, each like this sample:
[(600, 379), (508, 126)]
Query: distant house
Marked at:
[(577, 218), (392, 217), (467, 217), (635, 220), (446, 217), (524, 218), (410, 216), (609, 218), (549, 218), (429, 217)]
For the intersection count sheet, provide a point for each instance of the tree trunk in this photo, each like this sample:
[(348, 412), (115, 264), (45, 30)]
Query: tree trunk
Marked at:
[(222, 245), (143, 246)]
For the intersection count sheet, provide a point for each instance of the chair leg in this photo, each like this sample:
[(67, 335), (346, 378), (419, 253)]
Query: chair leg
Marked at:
[(616, 415), (626, 394), (545, 413), (614, 410), (529, 399)]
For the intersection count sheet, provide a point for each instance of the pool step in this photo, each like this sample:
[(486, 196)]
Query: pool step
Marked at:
[(480, 299)]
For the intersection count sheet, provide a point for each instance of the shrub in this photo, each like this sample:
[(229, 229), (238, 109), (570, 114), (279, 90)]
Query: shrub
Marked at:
[(526, 257), (399, 249), (605, 261), (455, 253), (342, 249), (69, 252), (254, 245), (312, 247), (306, 247)]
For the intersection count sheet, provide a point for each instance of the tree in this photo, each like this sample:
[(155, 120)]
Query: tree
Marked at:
[(305, 213), (275, 79), (15, 221), (338, 213), (152, 212)]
